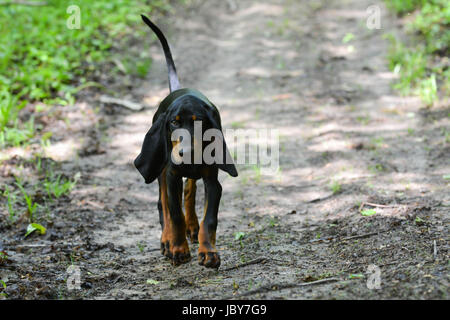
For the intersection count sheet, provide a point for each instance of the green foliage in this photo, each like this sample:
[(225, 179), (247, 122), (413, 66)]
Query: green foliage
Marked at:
[(32, 206), (11, 200), (368, 212), (355, 276), (409, 64), (35, 227), (55, 186), (348, 37), (18, 134), (239, 235), (141, 246), (9, 106), (17, 196), (432, 23), (152, 282), (257, 171), (273, 222), (376, 168), (335, 187), (428, 90), (418, 64), (403, 6), (41, 59)]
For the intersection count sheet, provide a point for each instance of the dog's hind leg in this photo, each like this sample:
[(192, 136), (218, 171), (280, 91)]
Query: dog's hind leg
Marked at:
[(190, 189)]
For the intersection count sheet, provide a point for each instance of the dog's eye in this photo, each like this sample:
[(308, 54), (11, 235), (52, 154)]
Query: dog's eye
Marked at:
[(175, 123)]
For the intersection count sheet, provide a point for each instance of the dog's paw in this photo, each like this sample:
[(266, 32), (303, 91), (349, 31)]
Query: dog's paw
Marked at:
[(178, 254), (209, 259), (192, 233)]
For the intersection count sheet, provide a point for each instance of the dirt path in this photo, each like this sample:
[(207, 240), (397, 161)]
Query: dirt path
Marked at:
[(279, 65)]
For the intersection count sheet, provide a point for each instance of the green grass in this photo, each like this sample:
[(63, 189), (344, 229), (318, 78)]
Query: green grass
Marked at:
[(335, 187), (44, 64), (420, 63), (10, 200), (31, 205), (41, 59), (32, 197), (55, 186), (402, 7)]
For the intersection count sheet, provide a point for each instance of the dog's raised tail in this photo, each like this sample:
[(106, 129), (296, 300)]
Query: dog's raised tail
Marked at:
[(174, 83)]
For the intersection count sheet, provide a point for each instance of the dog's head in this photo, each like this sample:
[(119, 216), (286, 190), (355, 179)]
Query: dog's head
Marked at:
[(177, 138)]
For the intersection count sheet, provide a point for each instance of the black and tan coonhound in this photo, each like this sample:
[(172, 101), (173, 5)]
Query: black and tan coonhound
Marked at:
[(158, 159)]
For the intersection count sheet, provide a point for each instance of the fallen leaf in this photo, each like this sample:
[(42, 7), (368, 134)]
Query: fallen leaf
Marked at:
[(33, 227)]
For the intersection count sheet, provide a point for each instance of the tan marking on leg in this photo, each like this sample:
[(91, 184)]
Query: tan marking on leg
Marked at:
[(192, 226), (173, 238), (167, 231)]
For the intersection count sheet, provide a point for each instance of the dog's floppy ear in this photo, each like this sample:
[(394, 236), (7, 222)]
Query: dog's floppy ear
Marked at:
[(227, 164), (154, 154)]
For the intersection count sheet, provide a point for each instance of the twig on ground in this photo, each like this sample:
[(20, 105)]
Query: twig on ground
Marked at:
[(120, 65), (254, 261), (434, 250), (358, 236), (124, 103), (281, 286), (43, 245), (405, 248), (321, 198), (375, 205)]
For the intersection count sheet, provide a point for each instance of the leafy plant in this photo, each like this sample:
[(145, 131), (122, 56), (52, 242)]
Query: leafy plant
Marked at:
[(368, 212), (419, 65), (257, 171), (273, 222), (355, 276), (152, 282), (348, 37), (3, 287), (11, 199), (402, 7), (428, 90), (419, 221), (141, 246), (35, 226), (32, 206), (56, 187), (239, 235), (3, 257), (335, 187)]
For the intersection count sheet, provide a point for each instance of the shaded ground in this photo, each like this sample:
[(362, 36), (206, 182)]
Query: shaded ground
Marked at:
[(267, 64)]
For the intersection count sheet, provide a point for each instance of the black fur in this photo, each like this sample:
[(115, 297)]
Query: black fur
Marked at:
[(180, 109)]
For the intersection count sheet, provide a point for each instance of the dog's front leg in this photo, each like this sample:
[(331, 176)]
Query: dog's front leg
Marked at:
[(207, 253), (178, 246)]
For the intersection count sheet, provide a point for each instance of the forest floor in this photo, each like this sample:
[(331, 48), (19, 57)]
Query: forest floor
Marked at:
[(348, 145)]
